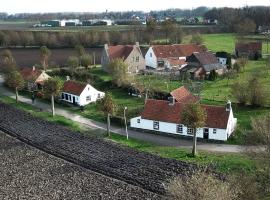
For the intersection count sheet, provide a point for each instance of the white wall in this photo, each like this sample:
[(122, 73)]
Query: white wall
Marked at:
[(151, 61), (221, 134), (92, 92), (88, 91)]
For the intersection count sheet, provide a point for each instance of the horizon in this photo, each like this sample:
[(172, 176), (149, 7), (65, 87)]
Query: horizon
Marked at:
[(31, 6)]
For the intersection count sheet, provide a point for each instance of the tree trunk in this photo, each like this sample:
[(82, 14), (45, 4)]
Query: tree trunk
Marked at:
[(194, 149), (108, 125), (52, 104), (16, 92)]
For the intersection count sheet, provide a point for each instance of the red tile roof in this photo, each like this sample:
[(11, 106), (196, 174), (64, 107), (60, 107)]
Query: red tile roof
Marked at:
[(74, 87), (182, 95), (177, 50), (30, 73), (119, 51), (176, 62), (250, 46), (160, 110)]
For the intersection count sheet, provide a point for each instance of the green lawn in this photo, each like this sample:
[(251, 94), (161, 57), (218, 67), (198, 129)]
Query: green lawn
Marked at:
[(222, 42)]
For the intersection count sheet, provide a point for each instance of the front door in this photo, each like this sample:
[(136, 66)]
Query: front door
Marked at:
[(74, 100), (206, 133)]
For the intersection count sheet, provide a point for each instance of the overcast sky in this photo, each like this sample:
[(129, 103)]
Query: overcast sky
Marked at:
[(18, 6)]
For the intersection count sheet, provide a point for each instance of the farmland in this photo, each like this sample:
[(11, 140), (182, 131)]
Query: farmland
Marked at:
[(27, 173), (137, 168)]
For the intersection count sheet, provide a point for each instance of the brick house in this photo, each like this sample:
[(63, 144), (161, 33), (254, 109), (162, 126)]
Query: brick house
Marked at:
[(131, 54)]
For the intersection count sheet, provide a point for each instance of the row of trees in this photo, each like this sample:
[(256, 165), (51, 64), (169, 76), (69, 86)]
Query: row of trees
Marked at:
[(249, 17), (167, 30)]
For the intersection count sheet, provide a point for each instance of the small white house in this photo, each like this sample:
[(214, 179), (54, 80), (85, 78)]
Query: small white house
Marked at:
[(80, 93), (165, 116)]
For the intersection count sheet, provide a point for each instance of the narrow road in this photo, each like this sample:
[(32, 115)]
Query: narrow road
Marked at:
[(156, 139)]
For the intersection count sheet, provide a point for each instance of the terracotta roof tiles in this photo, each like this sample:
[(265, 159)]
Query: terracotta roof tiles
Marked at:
[(160, 110), (182, 95), (74, 87), (177, 50), (120, 51)]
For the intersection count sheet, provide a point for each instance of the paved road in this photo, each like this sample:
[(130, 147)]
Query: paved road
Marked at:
[(157, 139)]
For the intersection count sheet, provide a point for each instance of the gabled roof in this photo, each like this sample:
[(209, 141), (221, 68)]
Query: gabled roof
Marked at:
[(160, 110), (250, 46), (74, 87), (30, 74), (120, 51), (177, 50), (182, 95), (207, 60)]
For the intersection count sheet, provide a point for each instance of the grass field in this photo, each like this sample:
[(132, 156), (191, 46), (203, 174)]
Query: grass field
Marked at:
[(224, 41)]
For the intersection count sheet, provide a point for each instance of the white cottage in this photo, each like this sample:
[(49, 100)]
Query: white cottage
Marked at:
[(170, 55), (164, 116), (80, 93)]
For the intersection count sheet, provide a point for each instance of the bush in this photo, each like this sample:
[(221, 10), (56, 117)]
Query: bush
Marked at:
[(201, 186)]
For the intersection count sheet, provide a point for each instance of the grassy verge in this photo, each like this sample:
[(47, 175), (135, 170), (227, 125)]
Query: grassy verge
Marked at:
[(223, 162), (226, 163), (44, 115)]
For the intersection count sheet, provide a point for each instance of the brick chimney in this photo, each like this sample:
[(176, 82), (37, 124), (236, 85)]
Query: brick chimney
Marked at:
[(34, 68)]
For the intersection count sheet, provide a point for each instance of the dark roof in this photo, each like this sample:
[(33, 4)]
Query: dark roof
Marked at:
[(160, 110), (74, 87), (120, 51), (30, 73), (207, 60), (177, 50), (248, 46), (182, 95)]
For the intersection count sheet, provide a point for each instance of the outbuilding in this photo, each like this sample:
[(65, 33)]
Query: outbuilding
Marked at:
[(80, 93)]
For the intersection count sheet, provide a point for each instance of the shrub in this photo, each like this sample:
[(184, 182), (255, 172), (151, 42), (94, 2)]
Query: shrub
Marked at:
[(201, 186)]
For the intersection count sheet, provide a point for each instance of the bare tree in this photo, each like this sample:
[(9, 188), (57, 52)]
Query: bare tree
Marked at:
[(107, 106), (15, 80), (52, 88), (194, 116), (45, 54)]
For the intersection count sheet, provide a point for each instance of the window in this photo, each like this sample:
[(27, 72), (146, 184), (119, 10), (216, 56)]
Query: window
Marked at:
[(88, 98), (69, 97), (190, 131), (138, 121), (137, 59), (179, 128), (66, 97), (98, 96), (214, 131), (150, 54), (156, 125)]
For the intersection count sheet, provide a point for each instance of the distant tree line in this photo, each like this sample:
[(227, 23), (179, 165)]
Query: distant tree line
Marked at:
[(232, 17), (153, 32), (171, 13)]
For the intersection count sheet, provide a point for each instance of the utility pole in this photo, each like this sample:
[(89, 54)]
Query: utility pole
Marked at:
[(125, 108)]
